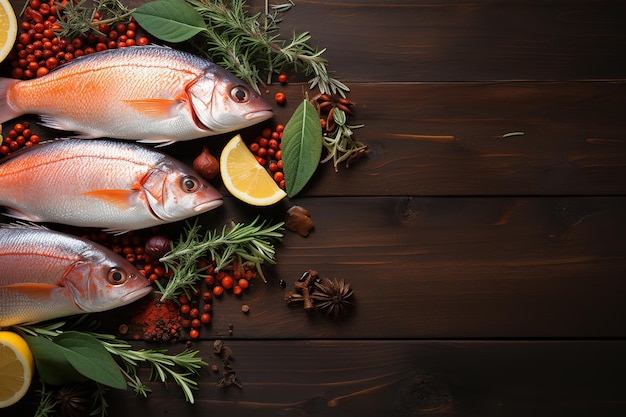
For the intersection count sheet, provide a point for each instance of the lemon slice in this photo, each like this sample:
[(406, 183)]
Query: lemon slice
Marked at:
[(8, 28), (245, 178), (16, 368)]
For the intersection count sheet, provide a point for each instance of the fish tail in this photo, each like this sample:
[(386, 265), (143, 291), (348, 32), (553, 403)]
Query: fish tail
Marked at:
[(6, 111)]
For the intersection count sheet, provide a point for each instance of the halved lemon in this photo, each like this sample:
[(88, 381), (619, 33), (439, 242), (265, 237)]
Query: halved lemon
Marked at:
[(245, 178), (16, 368), (8, 28)]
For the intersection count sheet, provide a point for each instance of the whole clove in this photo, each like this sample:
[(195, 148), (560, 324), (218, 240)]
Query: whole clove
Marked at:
[(303, 290)]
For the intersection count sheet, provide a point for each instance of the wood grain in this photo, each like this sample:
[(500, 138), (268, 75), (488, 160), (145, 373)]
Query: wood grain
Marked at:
[(401, 378), (445, 268), (483, 234), (373, 41)]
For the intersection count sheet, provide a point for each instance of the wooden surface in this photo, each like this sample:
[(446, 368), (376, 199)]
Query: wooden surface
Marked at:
[(488, 269)]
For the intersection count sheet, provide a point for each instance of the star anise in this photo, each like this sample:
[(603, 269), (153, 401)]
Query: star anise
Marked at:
[(74, 400), (332, 295)]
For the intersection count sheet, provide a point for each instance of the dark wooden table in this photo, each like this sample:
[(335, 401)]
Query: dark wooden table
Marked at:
[(483, 235)]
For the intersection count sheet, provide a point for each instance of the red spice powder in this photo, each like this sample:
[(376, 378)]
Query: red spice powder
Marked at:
[(158, 320)]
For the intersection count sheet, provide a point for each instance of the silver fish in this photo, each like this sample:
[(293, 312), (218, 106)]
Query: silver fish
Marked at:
[(114, 185), (146, 93), (46, 274)]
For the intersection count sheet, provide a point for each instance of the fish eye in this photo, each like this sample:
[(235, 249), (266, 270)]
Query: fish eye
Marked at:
[(117, 276), (190, 184), (240, 94)]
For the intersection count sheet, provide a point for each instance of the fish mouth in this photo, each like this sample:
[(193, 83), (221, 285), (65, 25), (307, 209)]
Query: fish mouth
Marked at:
[(137, 294), (209, 205), (259, 115)]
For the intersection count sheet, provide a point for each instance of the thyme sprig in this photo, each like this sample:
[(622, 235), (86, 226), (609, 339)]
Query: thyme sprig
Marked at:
[(77, 18), (340, 144), (253, 243), (250, 46)]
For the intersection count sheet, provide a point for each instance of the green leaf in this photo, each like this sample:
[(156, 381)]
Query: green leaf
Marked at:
[(302, 147), (52, 365), (87, 355), (170, 20)]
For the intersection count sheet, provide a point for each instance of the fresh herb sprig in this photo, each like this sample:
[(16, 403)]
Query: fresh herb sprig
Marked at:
[(248, 45), (253, 243), (163, 366), (77, 18), (340, 144)]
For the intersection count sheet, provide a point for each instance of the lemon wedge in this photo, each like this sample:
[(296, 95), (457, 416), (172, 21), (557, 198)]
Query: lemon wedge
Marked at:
[(17, 367), (245, 178), (8, 28)]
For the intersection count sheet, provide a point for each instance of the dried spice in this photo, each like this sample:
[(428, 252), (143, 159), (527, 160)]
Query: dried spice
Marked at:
[(158, 320), (74, 400), (206, 164), (229, 377), (156, 246), (303, 289), (298, 219), (338, 135), (332, 295)]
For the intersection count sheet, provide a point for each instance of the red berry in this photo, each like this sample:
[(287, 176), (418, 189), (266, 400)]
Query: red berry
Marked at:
[(280, 98), (228, 282), (282, 78)]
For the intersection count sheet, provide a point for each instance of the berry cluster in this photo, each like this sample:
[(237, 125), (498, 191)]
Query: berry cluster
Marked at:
[(267, 149), (18, 137), (38, 49), (132, 246), (196, 310)]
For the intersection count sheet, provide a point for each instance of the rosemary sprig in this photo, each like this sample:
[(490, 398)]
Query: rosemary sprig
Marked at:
[(163, 366), (248, 243), (47, 403), (250, 45)]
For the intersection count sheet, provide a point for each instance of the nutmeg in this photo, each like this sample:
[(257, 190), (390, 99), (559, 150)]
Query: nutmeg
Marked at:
[(206, 164), (157, 246)]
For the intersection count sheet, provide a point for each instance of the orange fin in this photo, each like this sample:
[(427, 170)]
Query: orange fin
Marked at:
[(156, 108), (118, 198), (34, 290)]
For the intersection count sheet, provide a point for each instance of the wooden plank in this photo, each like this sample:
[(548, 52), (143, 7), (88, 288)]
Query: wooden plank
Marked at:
[(453, 139), (447, 139), (461, 41), (443, 268), (400, 378)]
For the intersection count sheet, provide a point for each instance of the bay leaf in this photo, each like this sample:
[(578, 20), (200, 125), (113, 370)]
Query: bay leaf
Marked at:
[(90, 358), (170, 20), (302, 147), (52, 365)]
